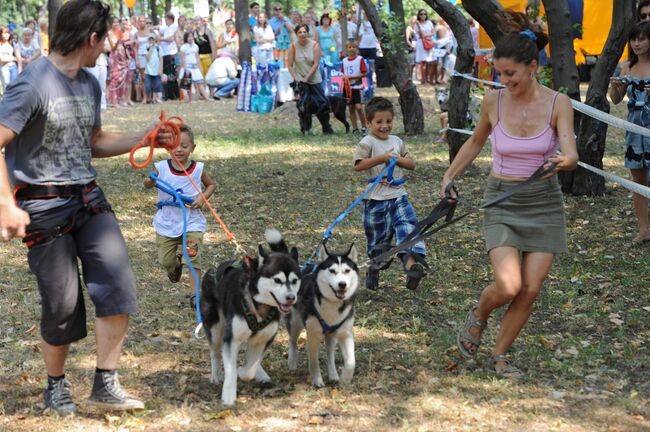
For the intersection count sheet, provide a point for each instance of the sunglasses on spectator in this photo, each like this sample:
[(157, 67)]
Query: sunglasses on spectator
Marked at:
[(277, 9), (644, 16), (423, 14)]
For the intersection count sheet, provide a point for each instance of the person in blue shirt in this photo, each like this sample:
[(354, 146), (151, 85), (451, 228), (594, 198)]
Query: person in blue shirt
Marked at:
[(281, 25), (326, 37)]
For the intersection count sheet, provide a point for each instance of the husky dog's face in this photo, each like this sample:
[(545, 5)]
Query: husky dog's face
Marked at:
[(442, 96), (338, 274), (278, 280)]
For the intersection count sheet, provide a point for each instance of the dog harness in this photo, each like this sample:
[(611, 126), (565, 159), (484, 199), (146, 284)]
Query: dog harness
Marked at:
[(81, 216), (253, 324), (328, 329), (251, 319)]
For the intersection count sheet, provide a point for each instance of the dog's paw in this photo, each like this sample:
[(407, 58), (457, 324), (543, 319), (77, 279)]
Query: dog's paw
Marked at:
[(228, 396), (261, 376), (346, 378), (216, 379), (245, 374), (317, 382)]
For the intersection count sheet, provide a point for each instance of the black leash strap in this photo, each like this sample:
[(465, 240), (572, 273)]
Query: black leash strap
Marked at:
[(446, 208)]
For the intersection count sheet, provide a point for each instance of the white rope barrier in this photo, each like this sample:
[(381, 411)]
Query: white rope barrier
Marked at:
[(581, 107), (627, 184)]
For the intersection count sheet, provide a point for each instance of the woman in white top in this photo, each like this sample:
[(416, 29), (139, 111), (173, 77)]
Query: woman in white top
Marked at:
[(265, 38), (10, 61), (141, 44), (424, 29), (190, 73), (228, 41)]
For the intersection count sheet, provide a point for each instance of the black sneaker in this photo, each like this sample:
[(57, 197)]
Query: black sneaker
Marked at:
[(175, 275), (58, 397), (372, 279), (108, 394)]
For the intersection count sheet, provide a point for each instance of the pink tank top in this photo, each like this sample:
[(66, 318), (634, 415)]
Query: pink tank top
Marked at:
[(514, 156)]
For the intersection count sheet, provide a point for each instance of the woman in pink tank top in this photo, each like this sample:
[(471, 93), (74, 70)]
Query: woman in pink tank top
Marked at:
[(526, 123)]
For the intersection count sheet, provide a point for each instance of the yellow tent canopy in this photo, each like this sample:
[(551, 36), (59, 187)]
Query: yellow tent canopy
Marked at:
[(596, 22)]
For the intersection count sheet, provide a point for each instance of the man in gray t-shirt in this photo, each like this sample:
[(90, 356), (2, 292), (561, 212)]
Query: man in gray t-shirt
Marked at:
[(50, 128)]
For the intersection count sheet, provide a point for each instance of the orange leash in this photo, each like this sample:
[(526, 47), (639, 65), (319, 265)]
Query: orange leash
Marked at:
[(150, 140), (347, 88), (172, 124), (225, 229)]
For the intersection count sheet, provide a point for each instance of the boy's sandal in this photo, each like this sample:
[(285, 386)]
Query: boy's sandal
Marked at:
[(510, 371), (416, 272), (464, 336), (414, 275)]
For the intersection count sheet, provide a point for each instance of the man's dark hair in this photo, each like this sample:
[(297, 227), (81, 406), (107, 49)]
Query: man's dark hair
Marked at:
[(170, 16), (642, 4), (253, 5), (378, 104), (76, 21)]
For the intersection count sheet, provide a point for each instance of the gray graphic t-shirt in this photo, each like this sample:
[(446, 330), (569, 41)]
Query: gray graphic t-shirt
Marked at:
[(53, 117)]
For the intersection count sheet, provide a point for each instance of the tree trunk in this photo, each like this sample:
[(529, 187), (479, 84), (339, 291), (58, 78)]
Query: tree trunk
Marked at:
[(168, 6), (565, 72), (343, 22), (153, 9), (460, 87), (53, 7), (243, 30), (592, 133), (395, 50), (268, 8), (485, 12)]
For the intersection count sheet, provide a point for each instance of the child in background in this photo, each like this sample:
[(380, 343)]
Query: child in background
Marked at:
[(354, 68), (190, 73), (153, 72), (387, 210), (168, 221)]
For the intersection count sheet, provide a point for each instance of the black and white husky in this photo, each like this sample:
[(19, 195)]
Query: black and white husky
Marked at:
[(241, 302), (326, 310)]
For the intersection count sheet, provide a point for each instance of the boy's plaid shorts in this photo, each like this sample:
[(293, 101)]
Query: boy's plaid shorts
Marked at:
[(381, 218)]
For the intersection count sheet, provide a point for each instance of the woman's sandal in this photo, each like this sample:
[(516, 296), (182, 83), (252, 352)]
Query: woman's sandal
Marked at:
[(464, 336), (510, 371)]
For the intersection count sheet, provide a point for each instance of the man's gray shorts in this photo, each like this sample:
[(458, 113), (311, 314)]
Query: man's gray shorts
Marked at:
[(97, 244)]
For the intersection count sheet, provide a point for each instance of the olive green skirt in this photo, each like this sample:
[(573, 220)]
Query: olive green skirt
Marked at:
[(532, 220)]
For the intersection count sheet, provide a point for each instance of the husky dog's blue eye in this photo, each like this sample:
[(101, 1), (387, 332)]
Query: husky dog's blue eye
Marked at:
[(277, 280)]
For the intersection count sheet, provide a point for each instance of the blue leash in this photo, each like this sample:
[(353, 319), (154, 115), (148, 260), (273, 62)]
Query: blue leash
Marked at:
[(389, 177), (387, 174), (182, 201)]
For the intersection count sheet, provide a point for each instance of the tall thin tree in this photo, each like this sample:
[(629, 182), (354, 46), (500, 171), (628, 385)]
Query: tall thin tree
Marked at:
[(393, 45), (459, 91), (243, 29)]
